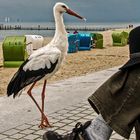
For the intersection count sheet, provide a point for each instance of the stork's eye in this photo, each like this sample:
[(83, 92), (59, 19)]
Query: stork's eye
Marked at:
[(63, 6)]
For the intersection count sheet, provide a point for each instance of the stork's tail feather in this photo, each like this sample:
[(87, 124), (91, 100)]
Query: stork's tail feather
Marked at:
[(14, 85)]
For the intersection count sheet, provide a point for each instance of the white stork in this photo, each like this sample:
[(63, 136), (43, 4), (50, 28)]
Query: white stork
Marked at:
[(44, 62)]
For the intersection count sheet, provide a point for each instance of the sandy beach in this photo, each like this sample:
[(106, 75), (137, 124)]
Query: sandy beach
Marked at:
[(77, 64)]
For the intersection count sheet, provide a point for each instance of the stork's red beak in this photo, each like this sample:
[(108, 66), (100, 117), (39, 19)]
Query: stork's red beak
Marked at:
[(69, 11)]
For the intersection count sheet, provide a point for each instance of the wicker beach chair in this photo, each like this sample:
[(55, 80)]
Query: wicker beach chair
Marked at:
[(14, 51)]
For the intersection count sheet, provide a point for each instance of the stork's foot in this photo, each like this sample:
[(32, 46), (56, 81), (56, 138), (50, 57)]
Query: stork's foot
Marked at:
[(44, 124)]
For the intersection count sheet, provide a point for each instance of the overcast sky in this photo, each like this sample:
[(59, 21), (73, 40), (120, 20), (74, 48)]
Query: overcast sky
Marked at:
[(93, 10)]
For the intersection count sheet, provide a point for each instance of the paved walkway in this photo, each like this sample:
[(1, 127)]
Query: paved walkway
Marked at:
[(66, 103)]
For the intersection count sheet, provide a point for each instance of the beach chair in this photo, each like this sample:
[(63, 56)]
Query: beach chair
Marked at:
[(14, 51), (73, 43), (120, 38), (92, 40), (97, 40), (33, 42), (84, 42)]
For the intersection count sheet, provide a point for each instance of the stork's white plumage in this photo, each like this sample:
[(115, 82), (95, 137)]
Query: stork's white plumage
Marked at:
[(44, 62)]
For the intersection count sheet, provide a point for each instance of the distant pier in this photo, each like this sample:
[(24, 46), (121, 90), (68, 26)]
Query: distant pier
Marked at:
[(76, 27)]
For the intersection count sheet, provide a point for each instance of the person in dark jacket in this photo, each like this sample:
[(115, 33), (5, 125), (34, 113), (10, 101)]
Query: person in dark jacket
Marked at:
[(117, 102)]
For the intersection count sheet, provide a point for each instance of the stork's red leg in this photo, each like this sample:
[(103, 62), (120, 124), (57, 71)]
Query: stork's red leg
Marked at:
[(30, 94), (44, 120)]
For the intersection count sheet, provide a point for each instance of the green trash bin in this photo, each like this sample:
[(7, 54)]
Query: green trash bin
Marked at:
[(14, 51), (120, 38)]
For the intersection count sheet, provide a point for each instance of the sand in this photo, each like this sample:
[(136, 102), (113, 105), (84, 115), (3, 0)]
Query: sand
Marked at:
[(79, 63)]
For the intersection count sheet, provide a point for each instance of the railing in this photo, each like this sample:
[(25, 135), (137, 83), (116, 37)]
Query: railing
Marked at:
[(80, 28)]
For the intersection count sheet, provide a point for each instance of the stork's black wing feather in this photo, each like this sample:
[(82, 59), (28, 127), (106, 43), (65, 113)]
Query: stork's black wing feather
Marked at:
[(23, 78)]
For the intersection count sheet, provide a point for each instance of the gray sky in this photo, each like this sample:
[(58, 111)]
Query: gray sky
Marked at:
[(93, 10)]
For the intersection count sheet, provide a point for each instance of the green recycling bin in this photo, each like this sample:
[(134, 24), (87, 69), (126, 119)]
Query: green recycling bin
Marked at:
[(14, 51)]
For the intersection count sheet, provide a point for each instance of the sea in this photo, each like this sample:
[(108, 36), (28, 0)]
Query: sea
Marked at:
[(50, 33)]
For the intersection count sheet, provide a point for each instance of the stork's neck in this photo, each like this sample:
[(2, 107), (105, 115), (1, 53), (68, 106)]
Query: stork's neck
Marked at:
[(59, 24), (60, 39)]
